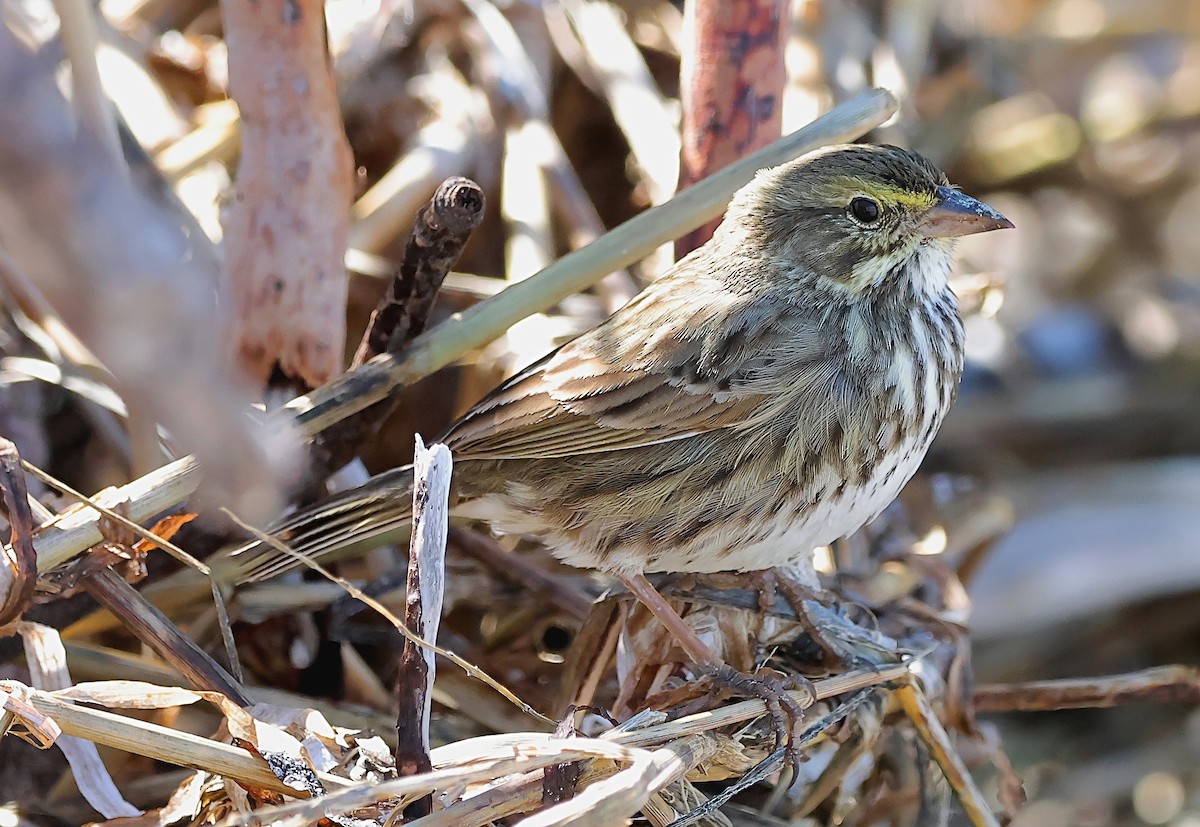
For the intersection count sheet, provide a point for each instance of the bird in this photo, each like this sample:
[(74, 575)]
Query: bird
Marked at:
[(769, 394)]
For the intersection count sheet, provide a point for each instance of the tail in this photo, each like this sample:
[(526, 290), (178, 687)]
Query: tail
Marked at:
[(378, 506)]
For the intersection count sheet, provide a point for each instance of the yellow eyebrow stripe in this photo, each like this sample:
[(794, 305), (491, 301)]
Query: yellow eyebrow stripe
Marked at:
[(896, 195), (889, 194)]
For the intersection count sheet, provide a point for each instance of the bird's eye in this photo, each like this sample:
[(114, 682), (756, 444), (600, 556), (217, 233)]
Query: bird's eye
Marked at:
[(864, 210)]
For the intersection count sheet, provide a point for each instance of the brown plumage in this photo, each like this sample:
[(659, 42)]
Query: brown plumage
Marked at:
[(771, 393)]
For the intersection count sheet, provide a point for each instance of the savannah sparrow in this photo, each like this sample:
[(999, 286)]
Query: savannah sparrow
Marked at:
[(771, 393)]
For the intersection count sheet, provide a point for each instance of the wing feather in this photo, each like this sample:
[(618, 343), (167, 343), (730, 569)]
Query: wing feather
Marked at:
[(654, 372)]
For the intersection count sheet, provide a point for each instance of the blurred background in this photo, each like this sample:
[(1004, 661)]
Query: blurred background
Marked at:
[(1065, 486)]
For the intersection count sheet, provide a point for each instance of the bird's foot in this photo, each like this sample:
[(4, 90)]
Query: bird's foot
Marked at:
[(772, 688)]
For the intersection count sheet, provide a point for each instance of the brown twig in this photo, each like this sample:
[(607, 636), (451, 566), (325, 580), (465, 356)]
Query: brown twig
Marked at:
[(422, 615), (19, 575), (1161, 684), (440, 231), (156, 630)]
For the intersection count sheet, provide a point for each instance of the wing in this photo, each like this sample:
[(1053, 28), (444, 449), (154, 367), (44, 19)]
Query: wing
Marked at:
[(672, 364)]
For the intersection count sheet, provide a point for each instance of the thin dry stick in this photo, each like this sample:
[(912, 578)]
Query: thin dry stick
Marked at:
[(155, 629), (471, 670), (217, 138), (483, 769), (926, 722), (518, 570), (618, 798), (47, 661), (475, 327), (1160, 684), (439, 234), (422, 614), (77, 529)]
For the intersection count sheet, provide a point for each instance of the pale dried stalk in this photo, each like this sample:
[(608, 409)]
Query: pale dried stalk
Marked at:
[(78, 528), (618, 798), (77, 30), (47, 660), (422, 610), (926, 722), (163, 744), (522, 794), (217, 138), (532, 757), (89, 661), (515, 795)]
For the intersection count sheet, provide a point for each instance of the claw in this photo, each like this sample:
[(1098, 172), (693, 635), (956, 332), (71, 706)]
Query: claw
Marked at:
[(771, 688)]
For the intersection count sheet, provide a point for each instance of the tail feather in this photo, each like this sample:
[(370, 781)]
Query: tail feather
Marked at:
[(357, 515)]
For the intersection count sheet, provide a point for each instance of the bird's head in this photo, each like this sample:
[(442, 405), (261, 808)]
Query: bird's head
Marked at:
[(858, 218)]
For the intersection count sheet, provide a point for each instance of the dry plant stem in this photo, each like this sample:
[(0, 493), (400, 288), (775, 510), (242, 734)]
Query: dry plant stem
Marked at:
[(78, 528), (1161, 684), (19, 558), (161, 743), (521, 794), (587, 659), (92, 662), (930, 729), (518, 570), (216, 139), (470, 669), (731, 86), (475, 327), (285, 239), (483, 769), (34, 304), (514, 795), (439, 233), (685, 635), (422, 614), (156, 630), (578, 270)]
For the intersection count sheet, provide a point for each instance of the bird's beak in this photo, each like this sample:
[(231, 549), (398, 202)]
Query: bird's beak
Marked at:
[(956, 214)]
